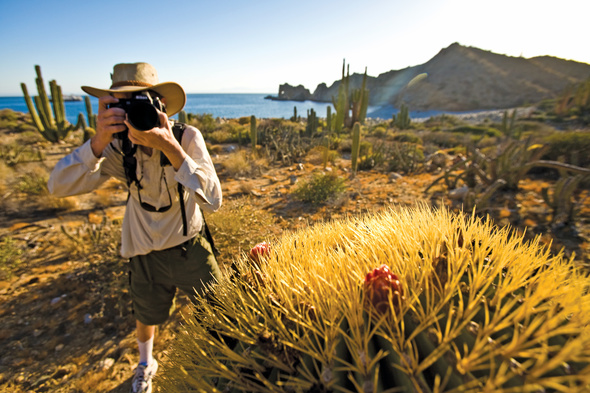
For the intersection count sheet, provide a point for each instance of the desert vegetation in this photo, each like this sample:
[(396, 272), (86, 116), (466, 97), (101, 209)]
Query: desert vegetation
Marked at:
[(66, 322)]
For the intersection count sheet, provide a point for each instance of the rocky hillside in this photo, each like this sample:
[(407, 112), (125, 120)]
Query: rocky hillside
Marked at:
[(461, 78)]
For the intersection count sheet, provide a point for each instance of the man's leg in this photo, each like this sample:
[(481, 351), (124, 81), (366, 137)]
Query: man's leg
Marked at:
[(152, 301), (145, 341)]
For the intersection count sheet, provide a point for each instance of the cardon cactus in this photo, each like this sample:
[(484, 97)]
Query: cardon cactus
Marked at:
[(460, 305), (54, 126)]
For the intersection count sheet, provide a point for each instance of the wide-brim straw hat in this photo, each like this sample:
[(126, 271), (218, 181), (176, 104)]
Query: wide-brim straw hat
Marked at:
[(133, 77)]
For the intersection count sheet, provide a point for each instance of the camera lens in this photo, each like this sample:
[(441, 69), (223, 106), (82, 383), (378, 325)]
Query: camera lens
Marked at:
[(143, 116)]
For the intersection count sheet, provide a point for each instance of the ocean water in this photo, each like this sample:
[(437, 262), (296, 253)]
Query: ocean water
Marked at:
[(231, 106), (219, 105)]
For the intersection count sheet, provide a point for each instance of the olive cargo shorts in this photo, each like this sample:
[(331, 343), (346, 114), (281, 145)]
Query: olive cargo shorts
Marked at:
[(154, 277)]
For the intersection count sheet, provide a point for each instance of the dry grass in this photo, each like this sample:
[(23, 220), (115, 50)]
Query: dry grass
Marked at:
[(242, 163), (238, 225)]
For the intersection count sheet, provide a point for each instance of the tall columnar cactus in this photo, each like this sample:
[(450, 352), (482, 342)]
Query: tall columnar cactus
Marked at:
[(402, 119), (341, 102), (312, 122), (350, 106), (356, 147), (253, 132), (182, 117), (460, 306), (329, 118), (508, 124), (51, 124), (360, 101), (295, 118)]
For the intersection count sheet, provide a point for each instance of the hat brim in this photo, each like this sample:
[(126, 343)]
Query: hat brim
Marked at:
[(172, 92)]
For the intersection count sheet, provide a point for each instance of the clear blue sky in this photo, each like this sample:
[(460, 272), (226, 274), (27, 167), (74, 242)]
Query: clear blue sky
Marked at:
[(253, 46)]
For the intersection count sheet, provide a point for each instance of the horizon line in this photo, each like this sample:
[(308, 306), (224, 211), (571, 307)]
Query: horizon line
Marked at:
[(200, 92)]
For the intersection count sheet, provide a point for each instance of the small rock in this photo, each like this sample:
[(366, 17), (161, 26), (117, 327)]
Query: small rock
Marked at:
[(87, 319), (56, 300), (300, 166), (293, 179), (59, 347), (106, 364), (393, 176), (459, 193)]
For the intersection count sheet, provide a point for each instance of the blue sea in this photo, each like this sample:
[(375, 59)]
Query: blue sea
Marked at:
[(218, 105)]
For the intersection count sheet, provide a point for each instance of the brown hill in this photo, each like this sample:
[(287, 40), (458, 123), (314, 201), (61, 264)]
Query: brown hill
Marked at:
[(461, 78)]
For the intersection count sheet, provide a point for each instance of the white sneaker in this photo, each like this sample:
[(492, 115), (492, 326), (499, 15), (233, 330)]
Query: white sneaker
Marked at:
[(142, 380)]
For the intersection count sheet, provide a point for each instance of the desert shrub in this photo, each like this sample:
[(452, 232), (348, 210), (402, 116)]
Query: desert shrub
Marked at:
[(535, 128), (345, 145), (406, 158), (365, 148), (220, 136), (373, 158), (321, 188), (204, 122), (9, 119), (445, 139), (572, 145), (476, 130), (379, 132), (237, 163), (442, 121), (20, 151), (32, 183), (245, 120), (238, 225), (406, 137), (10, 257), (102, 236), (321, 155)]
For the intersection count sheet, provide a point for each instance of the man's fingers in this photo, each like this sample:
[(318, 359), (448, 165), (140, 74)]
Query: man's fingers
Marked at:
[(105, 101)]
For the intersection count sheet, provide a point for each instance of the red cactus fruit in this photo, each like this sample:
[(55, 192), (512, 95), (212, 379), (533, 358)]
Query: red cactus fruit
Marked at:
[(379, 284), (261, 249)]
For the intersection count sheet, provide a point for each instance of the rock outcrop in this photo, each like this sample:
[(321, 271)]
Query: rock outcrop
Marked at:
[(460, 78), (292, 93)]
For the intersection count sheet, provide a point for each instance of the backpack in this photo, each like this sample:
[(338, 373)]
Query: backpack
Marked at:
[(130, 168)]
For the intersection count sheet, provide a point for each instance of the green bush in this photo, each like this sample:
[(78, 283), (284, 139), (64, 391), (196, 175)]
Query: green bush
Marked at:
[(379, 132), (365, 148), (321, 188), (407, 137), (32, 183), (406, 158), (204, 122), (572, 145), (475, 130), (10, 257)]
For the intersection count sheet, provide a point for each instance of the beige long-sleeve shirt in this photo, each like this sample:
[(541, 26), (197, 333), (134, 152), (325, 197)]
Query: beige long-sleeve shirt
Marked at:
[(144, 231)]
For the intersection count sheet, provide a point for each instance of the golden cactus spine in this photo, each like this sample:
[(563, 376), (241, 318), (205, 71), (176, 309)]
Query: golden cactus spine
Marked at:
[(471, 308)]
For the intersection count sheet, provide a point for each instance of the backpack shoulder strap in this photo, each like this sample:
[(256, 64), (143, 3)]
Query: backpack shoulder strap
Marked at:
[(178, 131)]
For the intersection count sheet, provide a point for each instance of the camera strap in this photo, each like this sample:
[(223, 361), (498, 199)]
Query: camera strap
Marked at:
[(130, 167)]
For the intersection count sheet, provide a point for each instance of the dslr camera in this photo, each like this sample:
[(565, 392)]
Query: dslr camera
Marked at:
[(142, 112)]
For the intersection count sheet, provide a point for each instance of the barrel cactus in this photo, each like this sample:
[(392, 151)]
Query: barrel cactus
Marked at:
[(409, 300)]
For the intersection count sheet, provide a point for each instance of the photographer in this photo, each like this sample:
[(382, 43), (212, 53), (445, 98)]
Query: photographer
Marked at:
[(169, 182)]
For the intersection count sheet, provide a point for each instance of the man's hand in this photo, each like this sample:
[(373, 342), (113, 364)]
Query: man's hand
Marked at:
[(159, 138), (109, 122)]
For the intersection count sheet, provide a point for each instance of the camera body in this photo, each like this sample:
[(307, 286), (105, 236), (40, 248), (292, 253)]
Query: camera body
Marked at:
[(142, 112)]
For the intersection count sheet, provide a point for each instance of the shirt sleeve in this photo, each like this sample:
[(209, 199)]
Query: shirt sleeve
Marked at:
[(197, 172), (81, 172)]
